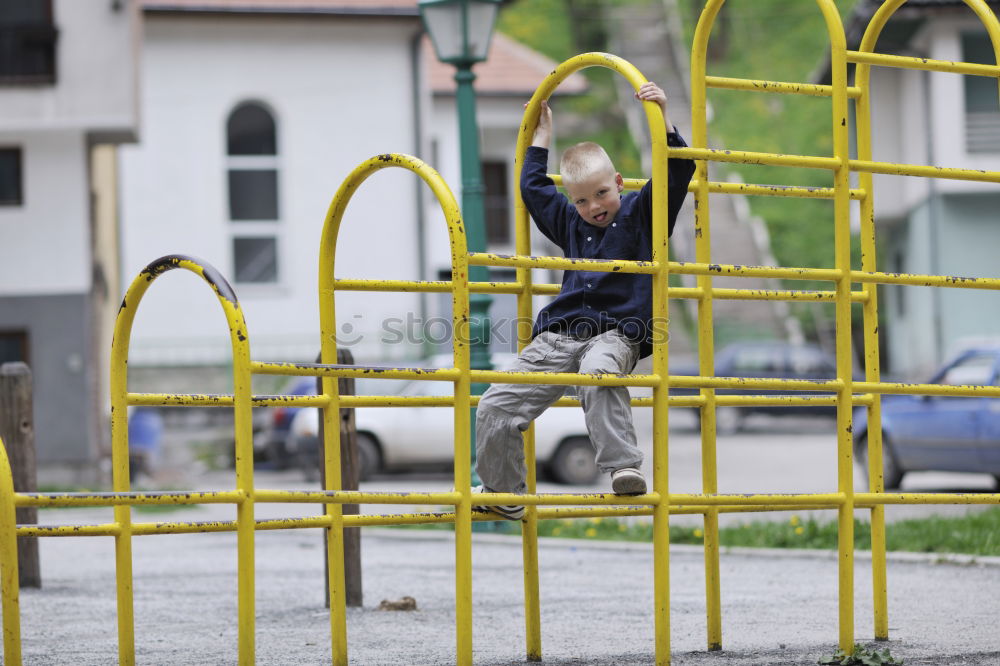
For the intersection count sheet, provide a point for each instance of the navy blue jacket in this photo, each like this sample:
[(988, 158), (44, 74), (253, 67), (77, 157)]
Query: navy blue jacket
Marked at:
[(593, 302)]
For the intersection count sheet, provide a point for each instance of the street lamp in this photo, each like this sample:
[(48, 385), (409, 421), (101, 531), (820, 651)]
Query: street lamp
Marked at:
[(461, 32)]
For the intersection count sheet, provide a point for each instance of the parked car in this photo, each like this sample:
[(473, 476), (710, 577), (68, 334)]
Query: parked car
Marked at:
[(765, 359), (403, 438), (940, 433)]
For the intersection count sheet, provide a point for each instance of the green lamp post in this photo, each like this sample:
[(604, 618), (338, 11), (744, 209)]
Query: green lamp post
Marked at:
[(461, 32)]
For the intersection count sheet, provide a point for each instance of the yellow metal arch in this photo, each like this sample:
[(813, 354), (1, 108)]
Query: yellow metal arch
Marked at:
[(659, 270), (876, 483), (331, 411), (239, 338)]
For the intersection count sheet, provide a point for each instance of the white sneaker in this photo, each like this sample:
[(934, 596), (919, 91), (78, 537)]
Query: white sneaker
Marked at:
[(628, 481), (508, 511)]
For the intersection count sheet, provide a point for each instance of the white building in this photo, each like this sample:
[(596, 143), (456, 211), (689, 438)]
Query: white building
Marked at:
[(68, 80), (254, 112)]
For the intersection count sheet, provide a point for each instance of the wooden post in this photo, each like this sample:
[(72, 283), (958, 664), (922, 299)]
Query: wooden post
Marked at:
[(349, 477), (17, 428)]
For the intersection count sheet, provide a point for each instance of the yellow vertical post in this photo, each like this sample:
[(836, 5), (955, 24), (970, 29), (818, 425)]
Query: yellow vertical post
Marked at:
[(842, 262), (706, 324), (463, 457), (120, 472), (529, 527), (8, 565), (245, 523), (876, 483), (337, 585), (661, 257)]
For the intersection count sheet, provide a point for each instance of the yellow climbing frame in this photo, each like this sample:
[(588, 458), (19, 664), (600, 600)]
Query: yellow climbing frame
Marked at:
[(660, 503)]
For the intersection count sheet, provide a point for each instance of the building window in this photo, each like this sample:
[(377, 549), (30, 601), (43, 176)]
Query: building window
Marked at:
[(496, 200), (253, 194), (256, 259), (254, 206), (27, 42), (982, 108), (11, 190), (13, 346)]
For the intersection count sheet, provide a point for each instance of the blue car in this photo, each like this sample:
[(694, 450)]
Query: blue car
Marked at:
[(940, 433)]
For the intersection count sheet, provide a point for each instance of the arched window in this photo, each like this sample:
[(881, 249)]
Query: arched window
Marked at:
[(252, 159)]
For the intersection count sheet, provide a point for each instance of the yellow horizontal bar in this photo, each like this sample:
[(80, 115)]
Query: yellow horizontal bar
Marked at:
[(924, 171), (914, 279), (691, 268), (783, 295), (929, 64), (797, 191), (674, 401), (426, 286), (749, 189), (554, 499), (927, 498), (562, 263), (346, 401), (107, 529), (770, 499), (969, 390), (811, 89), (568, 378), (127, 498), (369, 371), (222, 400), (746, 157), (353, 497), (693, 381)]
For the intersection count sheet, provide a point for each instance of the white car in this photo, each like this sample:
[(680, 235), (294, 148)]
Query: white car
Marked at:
[(399, 438)]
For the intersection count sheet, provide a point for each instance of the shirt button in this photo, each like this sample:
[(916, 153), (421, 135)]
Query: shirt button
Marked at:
[(589, 286), (588, 238), (614, 224)]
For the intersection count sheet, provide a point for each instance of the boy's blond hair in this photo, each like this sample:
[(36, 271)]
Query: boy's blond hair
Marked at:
[(583, 161)]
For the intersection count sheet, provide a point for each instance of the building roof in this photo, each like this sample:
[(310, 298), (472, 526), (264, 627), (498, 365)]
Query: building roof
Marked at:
[(343, 7), (511, 68)]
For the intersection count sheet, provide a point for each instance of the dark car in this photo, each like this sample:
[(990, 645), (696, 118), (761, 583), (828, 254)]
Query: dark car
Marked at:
[(940, 433), (271, 440), (765, 359)]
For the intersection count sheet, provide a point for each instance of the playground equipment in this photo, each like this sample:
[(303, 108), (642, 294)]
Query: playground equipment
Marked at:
[(660, 503)]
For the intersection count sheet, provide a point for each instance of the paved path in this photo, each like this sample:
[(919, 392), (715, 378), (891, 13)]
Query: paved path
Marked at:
[(779, 607)]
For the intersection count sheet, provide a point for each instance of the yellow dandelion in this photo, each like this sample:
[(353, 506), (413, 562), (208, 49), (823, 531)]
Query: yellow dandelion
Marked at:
[(590, 533), (794, 520), (698, 534), (595, 521), (556, 531), (800, 530), (622, 528)]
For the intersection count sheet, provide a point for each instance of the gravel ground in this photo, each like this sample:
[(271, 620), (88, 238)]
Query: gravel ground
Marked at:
[(779, 607)]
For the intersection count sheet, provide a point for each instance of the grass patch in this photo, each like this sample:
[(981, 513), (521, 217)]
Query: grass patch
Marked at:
[(974, 534)]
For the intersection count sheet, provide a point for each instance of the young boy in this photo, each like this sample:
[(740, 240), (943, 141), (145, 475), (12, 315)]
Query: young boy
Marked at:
[(599, 323)]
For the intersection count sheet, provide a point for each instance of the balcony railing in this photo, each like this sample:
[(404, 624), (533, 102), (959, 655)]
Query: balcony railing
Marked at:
[(28, 53)]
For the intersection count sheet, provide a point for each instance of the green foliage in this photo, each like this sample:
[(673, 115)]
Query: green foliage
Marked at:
[(863, 656)]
